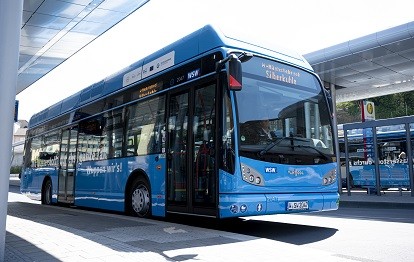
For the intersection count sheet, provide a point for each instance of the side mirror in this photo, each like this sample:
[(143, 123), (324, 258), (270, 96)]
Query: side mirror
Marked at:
[(234, 74)]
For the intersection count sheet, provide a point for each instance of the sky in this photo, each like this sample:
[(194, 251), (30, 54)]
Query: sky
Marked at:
[(300, 25)]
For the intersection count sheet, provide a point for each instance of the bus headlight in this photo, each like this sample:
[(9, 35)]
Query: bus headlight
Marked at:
[(251, 176), (329, 178)]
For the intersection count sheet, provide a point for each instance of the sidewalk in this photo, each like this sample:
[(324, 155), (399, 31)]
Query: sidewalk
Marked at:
[(35, 232), (387, 199)]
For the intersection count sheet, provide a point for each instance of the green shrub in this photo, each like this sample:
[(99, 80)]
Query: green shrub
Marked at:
[(15, 169)]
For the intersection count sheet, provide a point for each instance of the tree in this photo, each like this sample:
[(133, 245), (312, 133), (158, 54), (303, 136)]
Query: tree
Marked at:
[(348, 112), (390, 106)]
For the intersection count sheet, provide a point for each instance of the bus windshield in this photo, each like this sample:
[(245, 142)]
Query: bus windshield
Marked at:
[(282, 109)]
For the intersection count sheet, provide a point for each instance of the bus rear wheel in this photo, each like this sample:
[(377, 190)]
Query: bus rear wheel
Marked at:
[(47, 193), (139, 198)]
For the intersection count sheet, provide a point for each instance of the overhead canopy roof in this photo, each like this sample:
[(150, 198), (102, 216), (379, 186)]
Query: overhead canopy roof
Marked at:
[(374, 65), (54, 30)]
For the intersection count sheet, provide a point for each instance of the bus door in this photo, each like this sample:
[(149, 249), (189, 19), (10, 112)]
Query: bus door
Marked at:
[(67, 165), (191, 172)]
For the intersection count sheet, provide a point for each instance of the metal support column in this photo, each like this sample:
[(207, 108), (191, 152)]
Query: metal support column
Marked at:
[(347, 170), (409, 156), (376, 161), (335, 135), (10, 24)]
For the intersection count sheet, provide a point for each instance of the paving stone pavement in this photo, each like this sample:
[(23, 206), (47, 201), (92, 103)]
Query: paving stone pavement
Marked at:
[(36, 232), (50, 233)]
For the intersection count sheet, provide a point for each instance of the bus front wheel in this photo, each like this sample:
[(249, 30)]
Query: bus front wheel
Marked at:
[(139, 198), (47, 193)]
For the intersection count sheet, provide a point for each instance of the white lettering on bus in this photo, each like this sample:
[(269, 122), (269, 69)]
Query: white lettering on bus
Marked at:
[(113, 168)]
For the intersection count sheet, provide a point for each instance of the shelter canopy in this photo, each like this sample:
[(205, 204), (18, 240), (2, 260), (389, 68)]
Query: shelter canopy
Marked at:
[(54, 30), (378, 64)]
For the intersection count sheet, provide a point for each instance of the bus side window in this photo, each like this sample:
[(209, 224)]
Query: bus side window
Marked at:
[(35, 151), (114, 134), (90, 139), (28, 154), (145, 125)]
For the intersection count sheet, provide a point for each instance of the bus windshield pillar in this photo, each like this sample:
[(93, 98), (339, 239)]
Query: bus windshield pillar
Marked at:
[(336, 141), (307, 120), (10, 21)]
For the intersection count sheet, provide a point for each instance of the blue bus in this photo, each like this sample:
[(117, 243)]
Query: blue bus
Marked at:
[(209, 125), (392, 157)]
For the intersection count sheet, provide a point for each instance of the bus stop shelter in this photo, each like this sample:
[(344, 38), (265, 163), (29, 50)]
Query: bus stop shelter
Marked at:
[(380, 154), (378, 64)]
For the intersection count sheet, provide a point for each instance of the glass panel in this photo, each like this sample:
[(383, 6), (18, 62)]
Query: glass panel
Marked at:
[(177, 153), (90, 138), (361, 159), (393, 162), (71, 162), (228, 135), (203, 135), (113, 134), (411, 182), (35, 151), (145, 127), (290, 113), (63, 163), (50, 149), (67, 163)]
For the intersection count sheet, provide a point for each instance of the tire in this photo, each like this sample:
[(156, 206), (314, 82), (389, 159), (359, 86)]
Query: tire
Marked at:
[(47, 193), (139, 199)]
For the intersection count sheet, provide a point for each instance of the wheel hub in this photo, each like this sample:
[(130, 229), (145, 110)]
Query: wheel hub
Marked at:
[(140, 200)]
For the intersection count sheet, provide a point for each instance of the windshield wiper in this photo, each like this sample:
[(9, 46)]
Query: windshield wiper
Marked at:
[(275, 143), (314, 148)]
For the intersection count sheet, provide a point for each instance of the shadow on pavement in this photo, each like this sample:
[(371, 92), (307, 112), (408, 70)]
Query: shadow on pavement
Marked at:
[(127, 234), (284, 232), (118, 232), (18, 249)]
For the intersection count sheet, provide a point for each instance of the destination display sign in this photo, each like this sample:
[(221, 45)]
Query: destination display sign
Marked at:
[(149, 90), (279, 73)]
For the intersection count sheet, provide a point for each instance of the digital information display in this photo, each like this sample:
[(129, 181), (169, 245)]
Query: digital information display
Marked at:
[(280, 73), (149, 90)]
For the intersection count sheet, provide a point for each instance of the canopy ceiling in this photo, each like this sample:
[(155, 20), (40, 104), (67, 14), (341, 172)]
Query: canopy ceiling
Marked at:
[(374, 65), (54, 30)]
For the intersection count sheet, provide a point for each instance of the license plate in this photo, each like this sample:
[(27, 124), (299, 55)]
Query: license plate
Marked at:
[(298, 205)]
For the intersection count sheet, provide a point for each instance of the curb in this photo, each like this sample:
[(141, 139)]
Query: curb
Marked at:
[(14, 182), (365, 204)]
